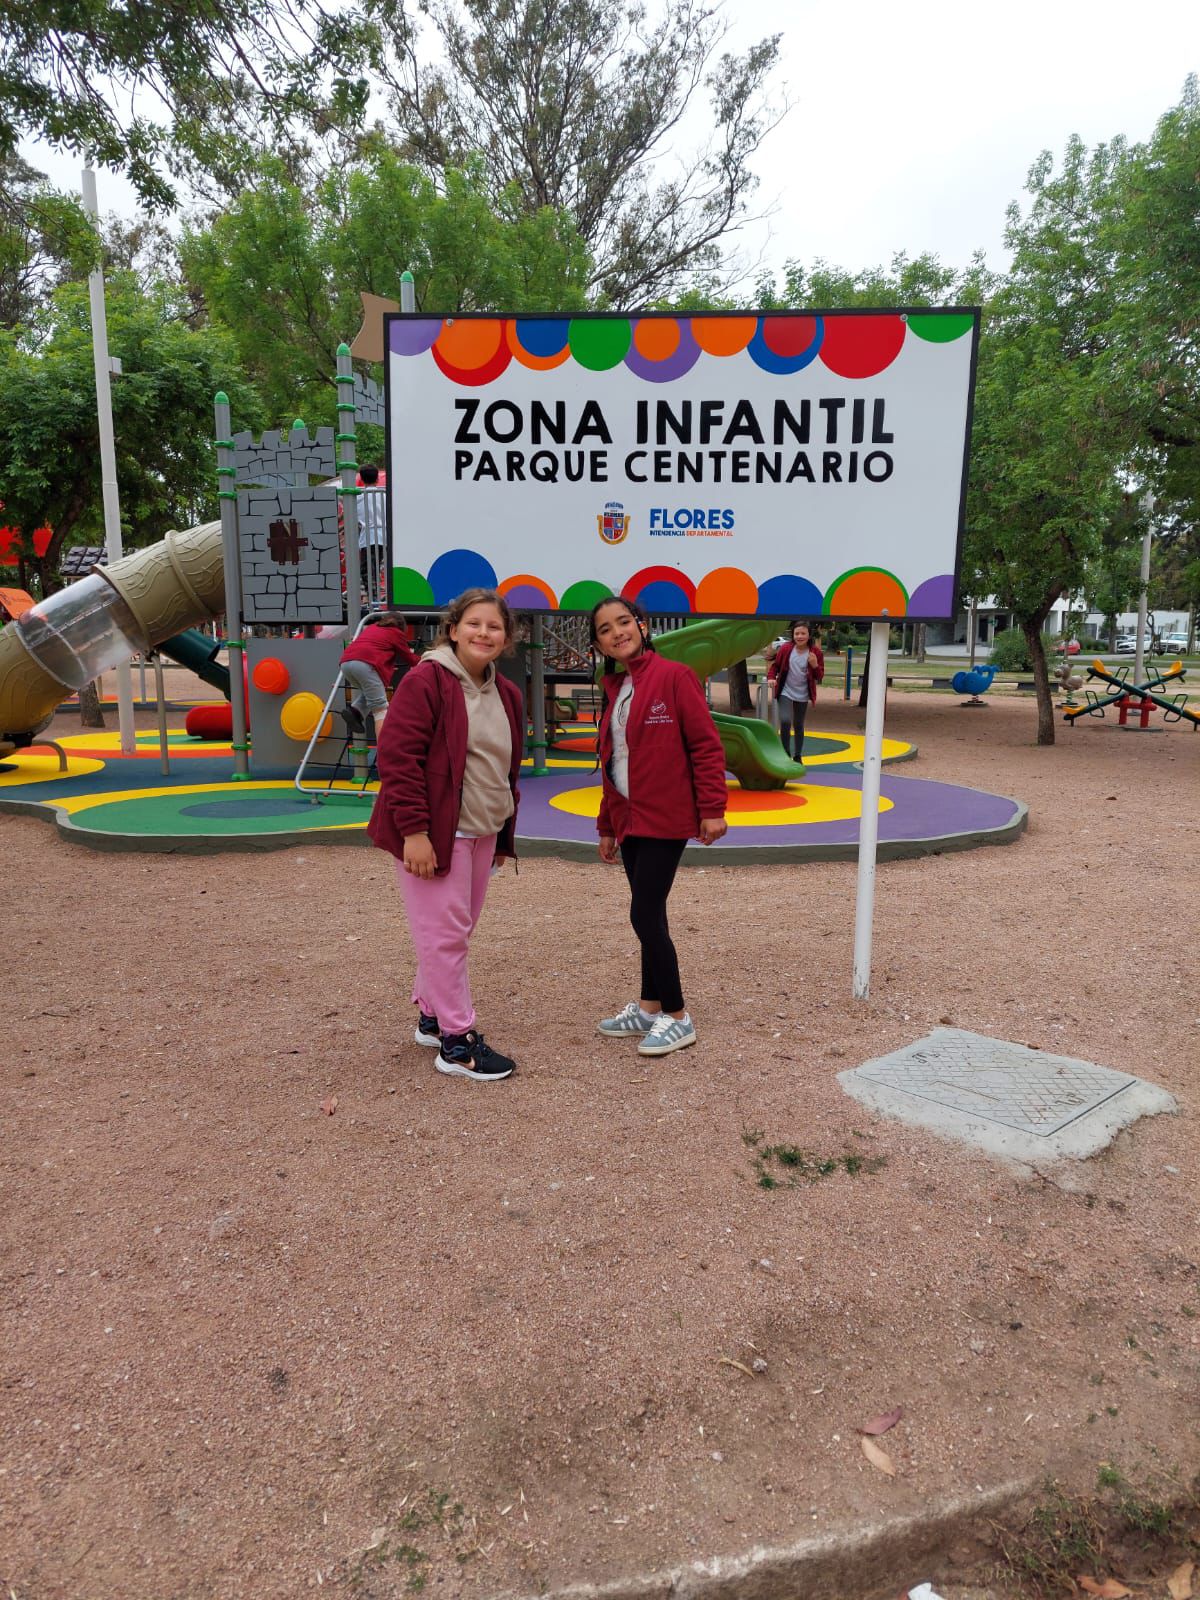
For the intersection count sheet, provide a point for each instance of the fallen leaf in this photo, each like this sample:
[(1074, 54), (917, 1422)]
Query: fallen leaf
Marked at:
[(1110, 1589), (329, 1106), (881, 1424), (728, 1361), (877, 1456), (1179, 1584)]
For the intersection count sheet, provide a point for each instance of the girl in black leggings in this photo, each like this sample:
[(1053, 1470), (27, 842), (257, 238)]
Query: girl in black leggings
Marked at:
[(663, 783)]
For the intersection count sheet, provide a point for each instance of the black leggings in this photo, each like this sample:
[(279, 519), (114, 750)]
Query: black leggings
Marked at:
[(650, 866), (799, 710)]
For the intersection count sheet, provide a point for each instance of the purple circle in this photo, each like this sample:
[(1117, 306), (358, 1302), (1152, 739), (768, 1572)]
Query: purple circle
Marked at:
[(412, 336), (933, 598), (526, 598), (685, 357)]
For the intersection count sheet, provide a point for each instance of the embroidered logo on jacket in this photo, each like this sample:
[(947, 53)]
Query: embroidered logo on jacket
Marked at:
[(658, 715)]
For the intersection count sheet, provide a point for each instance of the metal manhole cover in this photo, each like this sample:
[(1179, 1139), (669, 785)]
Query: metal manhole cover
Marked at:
[(959, 1083)]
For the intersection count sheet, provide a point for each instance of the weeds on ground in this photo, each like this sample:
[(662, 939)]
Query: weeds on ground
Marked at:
[(432, 1518), (1120, 1525), (782, 1166)]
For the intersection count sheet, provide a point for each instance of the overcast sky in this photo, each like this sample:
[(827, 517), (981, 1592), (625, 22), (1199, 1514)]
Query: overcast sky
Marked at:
[(911, 129)]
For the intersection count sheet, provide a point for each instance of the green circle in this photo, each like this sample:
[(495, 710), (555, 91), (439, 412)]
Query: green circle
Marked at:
[(940, 330), (170, 813), (599, 343), (409, 588), (582, 596)]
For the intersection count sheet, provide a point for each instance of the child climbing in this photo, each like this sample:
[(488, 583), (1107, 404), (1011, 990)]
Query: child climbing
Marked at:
[(369, 664)]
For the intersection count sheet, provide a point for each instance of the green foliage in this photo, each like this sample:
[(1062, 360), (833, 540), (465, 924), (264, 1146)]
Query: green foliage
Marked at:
[(162, 416), (779, 1166), (218, 73), (1010, 652), (570, 102), (282, 268)]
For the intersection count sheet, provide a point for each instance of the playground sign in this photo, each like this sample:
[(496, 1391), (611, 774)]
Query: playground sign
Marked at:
[(782, 464)]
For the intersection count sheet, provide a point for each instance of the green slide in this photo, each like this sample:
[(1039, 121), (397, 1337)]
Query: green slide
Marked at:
[(753, 752), (199, 651)]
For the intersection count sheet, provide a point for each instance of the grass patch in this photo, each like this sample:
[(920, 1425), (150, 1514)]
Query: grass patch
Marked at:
[(784, 1166), (1121, 1526), (433, 1518)]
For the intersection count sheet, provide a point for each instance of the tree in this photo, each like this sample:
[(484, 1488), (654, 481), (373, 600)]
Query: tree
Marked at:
[(200, 80), (571, 103), (45, 236), (1053, 434), (162, 417), (283, 267)]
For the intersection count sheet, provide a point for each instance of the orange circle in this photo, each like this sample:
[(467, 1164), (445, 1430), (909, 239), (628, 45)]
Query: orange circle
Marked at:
[(764, 800), (723, 336), (727, 589), (656, 338), (868, 594), (271, 676), (526, 580), (468, 343), (534, 363)]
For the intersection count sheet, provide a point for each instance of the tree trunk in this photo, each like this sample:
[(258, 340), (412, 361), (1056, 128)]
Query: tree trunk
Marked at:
[(1041, 679), (866, 674), (740, 703), (91, 713), (919, 650)]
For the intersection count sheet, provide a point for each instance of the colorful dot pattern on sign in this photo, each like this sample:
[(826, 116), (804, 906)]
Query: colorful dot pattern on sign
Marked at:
[(474, 351)]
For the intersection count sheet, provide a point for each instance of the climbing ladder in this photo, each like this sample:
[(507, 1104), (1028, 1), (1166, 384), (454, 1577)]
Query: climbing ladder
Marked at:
[(354, 757)]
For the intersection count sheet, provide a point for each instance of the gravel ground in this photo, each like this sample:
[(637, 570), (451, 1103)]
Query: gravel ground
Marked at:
[(492, 1339)]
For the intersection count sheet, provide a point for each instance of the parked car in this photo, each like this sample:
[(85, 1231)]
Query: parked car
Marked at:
[(1072, 647), (1127, 644), (1175, 644)]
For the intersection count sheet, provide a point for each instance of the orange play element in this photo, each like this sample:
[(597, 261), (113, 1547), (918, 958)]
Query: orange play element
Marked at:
[(743, 800), (656, 338), (468, 342), (271, 676), (723, 336), (727, 589), (869, 592), (15, 602)]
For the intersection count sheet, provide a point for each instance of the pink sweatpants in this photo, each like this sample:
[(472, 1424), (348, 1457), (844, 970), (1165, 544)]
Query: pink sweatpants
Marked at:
[(442, 913)]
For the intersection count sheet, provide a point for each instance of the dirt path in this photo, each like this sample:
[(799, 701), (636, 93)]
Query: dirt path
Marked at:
[(485, 1337)]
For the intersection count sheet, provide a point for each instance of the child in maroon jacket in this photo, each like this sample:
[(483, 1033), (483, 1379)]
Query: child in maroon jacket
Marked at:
[(448, 762), (796, 671), (664, 783), (369, 664)]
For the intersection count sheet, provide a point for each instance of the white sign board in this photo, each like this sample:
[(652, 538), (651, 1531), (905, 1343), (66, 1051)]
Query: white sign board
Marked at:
[(793, 464)]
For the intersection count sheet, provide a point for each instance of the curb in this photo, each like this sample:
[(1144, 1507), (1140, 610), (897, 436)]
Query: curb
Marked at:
[(865, 1562)]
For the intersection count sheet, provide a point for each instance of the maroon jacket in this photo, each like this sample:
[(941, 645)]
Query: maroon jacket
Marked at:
[(676, 763), (778, 670), (382, 648), (422, 759)]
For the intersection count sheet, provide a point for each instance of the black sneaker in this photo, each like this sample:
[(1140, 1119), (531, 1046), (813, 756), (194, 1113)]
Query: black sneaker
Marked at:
[(465, 1055), (353, 718), (428, 1031)]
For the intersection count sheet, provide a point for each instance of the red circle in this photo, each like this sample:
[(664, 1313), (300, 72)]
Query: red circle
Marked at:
[(210, 722), (271, 676), (788, 336), (859, 347), (631, 589)]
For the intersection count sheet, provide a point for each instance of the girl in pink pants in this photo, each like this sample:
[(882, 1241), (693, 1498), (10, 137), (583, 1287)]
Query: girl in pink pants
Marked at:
[(448, 758)]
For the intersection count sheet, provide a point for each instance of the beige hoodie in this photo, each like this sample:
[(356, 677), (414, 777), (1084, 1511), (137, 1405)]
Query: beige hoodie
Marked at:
[(487, 801)]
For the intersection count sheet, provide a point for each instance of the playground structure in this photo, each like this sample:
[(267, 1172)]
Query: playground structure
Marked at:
[(1140, 698)]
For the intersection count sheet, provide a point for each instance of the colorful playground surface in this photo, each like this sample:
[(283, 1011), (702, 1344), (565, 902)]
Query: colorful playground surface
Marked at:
[(110, 801)]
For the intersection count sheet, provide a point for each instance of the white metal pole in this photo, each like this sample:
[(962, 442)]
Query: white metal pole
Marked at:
[(868, 824), (108, 456), (1144, 585)]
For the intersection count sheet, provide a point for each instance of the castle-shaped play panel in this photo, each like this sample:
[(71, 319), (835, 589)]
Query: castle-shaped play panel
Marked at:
[(109, 801)]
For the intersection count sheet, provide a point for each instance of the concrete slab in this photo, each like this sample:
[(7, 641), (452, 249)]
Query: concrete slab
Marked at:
[(1022, 1104)]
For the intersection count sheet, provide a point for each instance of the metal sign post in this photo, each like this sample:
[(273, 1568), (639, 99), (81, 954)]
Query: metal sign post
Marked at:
[(868, 825)]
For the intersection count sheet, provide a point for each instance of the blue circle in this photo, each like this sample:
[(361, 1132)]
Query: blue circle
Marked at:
[(250, 806), (763, 356), (664, 596), (789, 596), (543, 336), (458, 570)]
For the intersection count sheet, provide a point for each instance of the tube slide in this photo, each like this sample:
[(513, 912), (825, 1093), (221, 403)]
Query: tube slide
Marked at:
[(753, 751), (70, 637), (197, 651)]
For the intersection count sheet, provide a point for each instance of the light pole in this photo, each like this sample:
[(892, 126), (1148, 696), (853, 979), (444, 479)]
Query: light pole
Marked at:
[(1147, 505)]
